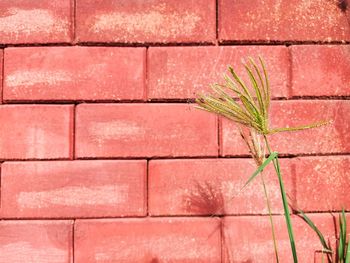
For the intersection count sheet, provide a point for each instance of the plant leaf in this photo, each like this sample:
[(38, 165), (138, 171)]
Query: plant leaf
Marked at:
[(342, 236), (272, 156), (286, 211), (347, 256), (316, 230)]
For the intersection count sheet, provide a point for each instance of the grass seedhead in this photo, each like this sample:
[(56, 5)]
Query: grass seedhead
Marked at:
[(247, 105)]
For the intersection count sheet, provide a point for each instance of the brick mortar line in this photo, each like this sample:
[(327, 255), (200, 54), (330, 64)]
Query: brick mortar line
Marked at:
[(217, 42), (184, 44), (73, 241), (162, 101), (225, 157), (222, 240), (73, 132), (146, 76), (194, 216), (74, 21), (2, 76), (0, 185), (147, 189), (290, 72), (219, 139), (277, 42)]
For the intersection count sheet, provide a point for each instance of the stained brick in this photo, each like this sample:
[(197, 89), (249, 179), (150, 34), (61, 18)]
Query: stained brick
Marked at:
[(185, 72), (185, 240), (27, 21), (151, 21), (139, 130), (35, 131), (212, 186), (73, 189), (321, 70), (74, 73), (36, 241), (332, 138), (286, 20), (322, 183), (249, 239)]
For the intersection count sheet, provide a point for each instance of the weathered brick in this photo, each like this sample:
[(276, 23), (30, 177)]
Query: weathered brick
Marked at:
[(321, 70), (36, 131), (27, 21), (146, 21), (332, 138), (286, 20), (139, 130), (212, 186), (36, 241), (249, 239), (73, 189), (185, 72), (74, 73), (185, 240), (322, 183)]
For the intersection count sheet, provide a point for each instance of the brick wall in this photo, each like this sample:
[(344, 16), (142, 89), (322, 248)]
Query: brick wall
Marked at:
[(105, 159)]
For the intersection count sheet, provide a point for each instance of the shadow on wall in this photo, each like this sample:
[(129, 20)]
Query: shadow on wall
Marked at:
[(343, 5), (207, 199)]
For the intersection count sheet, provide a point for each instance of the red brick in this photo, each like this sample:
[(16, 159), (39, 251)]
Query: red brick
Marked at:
[(249, 239), (146, 21), (74, 73), (212, 186), (73, 189), (35, 131), (195, 240), (36, 241), (333, 138), (286, 20), (27, 21), (139, 130), (183, 72), (322, 183), (321, 70)]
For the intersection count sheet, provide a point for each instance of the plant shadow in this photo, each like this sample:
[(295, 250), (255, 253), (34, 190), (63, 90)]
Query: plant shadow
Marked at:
[(208, 199), (205, 199)]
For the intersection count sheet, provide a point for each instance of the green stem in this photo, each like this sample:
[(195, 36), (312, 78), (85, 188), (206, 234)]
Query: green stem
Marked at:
[(285, 203), (270, 216)]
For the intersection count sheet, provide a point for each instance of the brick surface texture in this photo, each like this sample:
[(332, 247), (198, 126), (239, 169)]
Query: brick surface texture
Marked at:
[(104, 157)]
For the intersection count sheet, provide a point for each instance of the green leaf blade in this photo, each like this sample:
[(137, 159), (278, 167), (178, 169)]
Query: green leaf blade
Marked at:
[(272, 156)]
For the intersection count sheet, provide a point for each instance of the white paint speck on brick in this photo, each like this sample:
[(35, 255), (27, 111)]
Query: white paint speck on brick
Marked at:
[(23, 251), (74, 196), (36, 77), (17, 22), (151, 22)]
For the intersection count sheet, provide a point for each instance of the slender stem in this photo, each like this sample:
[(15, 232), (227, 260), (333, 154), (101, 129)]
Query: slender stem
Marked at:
[(268, 203), (285, 203)]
